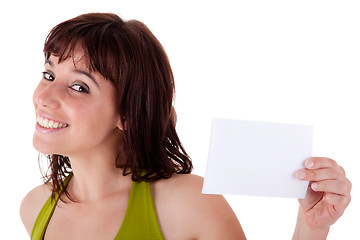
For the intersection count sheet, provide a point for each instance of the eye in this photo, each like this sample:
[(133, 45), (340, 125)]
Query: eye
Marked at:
[(48, 76), (80, 87)]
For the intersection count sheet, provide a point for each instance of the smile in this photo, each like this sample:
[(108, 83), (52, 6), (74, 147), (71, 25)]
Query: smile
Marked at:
[(51, 124)]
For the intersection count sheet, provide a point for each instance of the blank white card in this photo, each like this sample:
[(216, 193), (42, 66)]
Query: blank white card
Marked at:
[(257, 158)]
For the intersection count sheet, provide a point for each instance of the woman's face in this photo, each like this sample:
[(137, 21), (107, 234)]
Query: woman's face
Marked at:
[(75, 109)]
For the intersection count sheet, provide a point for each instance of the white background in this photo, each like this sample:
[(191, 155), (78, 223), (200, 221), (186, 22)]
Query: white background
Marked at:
[(281, 61)]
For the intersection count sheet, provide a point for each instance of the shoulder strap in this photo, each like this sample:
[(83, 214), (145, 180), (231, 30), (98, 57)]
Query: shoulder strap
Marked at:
[(45, 214), (140, 220)]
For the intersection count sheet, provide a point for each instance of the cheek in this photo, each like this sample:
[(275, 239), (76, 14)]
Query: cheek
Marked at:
[(89, 115), (101, 114), (79, 112)]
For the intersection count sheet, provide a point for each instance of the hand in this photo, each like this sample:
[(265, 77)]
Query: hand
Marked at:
[(328, 193)]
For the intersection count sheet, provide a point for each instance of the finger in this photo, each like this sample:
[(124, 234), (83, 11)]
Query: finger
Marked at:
[(320, 162), (340, 202), (319, 174), (340, 187)]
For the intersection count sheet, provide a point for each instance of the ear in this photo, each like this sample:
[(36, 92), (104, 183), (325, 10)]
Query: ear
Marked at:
[(173, 116), (119, 125)]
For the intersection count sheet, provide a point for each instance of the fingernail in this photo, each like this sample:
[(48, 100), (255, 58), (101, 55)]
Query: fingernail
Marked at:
[(300, 175), (309, 164), (313, 186)]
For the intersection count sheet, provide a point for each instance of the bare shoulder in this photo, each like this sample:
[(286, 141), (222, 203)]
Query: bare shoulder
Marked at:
[(183, 209), (186, 182), (32, 204)]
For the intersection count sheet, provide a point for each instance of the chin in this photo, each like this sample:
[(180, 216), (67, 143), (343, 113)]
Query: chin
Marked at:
[(42, 150), (45, 147)]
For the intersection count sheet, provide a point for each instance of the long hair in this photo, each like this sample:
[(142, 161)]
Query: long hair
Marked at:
[(129, 55)]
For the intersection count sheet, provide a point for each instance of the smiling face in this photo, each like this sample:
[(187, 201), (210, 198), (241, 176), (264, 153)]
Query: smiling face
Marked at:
[(75, 108)]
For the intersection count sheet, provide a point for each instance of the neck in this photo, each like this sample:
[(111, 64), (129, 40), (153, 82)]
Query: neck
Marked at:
[(95, 175)]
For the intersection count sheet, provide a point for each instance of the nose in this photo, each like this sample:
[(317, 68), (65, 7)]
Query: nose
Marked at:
[(47, 95)]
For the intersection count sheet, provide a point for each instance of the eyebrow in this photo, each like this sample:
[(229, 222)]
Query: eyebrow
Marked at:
[(88, 75), (48, 61)]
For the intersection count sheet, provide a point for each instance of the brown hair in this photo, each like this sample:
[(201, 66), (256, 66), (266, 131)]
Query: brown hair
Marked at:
[(129, 55)]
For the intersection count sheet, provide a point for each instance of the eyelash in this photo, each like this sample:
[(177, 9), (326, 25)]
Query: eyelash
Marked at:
[(81, 89), (47, 76)]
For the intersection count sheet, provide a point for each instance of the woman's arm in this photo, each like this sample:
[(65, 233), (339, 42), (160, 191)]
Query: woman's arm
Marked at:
[(326, 199), (304, 231)]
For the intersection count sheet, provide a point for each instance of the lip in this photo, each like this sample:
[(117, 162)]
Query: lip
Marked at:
[(38, 114), (42, 129), (47, 130)]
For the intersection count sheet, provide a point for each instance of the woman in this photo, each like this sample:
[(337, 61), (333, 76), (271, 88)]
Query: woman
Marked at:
[(117, 167)]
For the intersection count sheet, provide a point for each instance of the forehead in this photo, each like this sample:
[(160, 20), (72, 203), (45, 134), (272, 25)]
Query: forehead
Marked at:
[(76, 58)]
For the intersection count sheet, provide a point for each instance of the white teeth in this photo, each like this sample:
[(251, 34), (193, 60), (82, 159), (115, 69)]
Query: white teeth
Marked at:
[(47, 123)]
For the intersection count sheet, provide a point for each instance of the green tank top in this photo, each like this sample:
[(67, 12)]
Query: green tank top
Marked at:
[(140, 220)]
